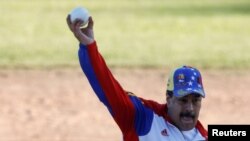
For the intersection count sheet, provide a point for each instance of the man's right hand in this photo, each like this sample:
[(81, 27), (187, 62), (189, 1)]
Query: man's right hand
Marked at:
[(85, 35)]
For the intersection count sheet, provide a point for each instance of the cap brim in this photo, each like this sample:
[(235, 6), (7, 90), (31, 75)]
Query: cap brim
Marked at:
[(181, 93)]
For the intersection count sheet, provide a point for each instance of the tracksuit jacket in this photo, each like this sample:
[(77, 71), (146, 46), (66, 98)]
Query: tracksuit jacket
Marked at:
[(138, 119)]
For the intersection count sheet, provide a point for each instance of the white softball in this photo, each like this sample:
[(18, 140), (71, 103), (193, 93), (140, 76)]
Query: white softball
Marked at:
[(79, 13)]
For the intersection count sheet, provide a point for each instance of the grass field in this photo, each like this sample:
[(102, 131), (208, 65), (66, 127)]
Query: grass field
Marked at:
[(137, 33)]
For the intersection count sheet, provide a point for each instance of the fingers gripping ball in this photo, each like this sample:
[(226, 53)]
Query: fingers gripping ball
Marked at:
[(80, 13)]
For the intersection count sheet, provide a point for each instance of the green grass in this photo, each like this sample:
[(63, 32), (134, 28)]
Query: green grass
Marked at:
[(137, 33)]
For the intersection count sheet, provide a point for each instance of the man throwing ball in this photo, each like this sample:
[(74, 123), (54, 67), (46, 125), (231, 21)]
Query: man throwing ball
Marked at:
[(140, 119)]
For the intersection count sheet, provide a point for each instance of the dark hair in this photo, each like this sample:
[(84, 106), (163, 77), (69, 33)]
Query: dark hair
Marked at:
[(169, 93)]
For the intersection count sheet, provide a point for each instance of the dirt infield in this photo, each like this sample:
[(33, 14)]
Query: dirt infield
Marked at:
[(59, 105)]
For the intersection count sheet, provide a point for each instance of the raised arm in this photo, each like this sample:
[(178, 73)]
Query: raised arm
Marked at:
[(128, 112)]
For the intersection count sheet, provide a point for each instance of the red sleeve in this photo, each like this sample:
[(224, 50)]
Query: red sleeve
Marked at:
[(106, 87)]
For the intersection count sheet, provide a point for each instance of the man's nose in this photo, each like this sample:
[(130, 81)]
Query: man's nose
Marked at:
[(189, 106)]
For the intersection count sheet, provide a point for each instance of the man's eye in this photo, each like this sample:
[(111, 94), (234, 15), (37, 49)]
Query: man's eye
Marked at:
[(183, 100), (196, 100)]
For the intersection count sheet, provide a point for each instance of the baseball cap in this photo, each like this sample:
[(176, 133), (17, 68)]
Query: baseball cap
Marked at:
[(184, 81)]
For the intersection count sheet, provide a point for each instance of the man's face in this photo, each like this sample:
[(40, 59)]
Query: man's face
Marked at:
[(184, 111)]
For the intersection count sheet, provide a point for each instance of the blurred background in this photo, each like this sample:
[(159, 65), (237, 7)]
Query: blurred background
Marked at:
[(44, 95)]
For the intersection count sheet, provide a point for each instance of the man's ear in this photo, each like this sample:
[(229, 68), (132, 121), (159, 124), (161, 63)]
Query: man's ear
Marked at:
[(168, 98)]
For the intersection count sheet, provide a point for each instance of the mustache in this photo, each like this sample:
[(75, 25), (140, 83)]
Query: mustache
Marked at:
[(187, 114)]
